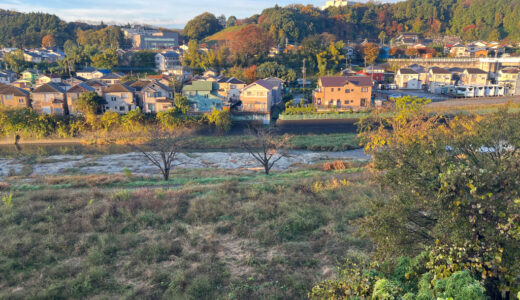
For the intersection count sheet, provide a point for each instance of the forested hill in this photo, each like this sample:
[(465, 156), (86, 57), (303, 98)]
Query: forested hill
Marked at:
[(28, 29), (470, 19)]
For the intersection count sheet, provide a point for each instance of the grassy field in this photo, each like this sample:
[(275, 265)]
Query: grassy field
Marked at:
[(206, 234), (323, 142)]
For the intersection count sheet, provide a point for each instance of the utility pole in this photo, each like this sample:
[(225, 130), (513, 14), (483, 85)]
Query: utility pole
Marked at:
[(304, 71)]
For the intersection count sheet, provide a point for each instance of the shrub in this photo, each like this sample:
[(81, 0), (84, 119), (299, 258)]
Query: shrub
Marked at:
[(336, 165)]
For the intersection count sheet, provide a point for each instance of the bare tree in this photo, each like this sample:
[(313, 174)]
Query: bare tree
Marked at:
[(267, 148), (162, 150)]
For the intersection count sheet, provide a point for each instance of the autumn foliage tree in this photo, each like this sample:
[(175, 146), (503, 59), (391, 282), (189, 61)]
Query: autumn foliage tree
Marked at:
[(48, 41), (251, 40), (370, 52)]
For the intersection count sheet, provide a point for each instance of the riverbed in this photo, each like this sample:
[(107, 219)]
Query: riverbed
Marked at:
[(49, 160)]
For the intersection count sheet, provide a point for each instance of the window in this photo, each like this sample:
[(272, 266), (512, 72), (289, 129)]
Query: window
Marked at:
[(363, 102), (249, 93), (347, 102), (347, 91), (8, 97), (332, 89), (121, 108), (21, 100), (113, 98), (364, 90), (339, 89)]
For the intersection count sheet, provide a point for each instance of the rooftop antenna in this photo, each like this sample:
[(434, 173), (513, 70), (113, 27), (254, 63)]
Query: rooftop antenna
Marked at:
[(304, 71)]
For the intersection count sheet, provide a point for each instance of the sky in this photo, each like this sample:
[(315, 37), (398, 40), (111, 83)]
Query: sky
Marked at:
[(164, 13)]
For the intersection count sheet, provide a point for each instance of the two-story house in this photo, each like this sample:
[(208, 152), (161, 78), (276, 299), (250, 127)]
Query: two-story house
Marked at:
[(260, 96), (230, 87), (13, 97), (439, 76), (49, 98), (7, 76), (474, 76), (156, 97), (46, 78), (120, 98), (407, 78), (340, 92), (510, 78)]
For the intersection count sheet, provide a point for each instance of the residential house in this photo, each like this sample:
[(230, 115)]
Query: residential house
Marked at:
[(32, 57), (111, 78), (210, 73), (258, 97), (439, 76), (278, 92), (50, 98), (13, 97), (74, 93), (31, 75), (46, 78), (510, 78), (377, 73), (459, 50), (120, 98), (92, 73), (156, 97), (230, 87), (7, 76), (407, 78), (407, 38), (203, 96), (98, 86), (167, 61), (340, 92), (22, 84), (474, 76), (165, 80)]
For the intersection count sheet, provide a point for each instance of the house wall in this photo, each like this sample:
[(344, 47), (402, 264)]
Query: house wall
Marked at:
[(14, 101), (120, 102), (402, 80), (347, 96), (256, 99), (44, 103)]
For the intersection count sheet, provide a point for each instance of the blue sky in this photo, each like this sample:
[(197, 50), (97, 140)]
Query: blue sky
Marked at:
[(167, 13)]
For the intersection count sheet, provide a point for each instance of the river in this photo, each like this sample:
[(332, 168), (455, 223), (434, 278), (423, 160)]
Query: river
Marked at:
[(42, 160)]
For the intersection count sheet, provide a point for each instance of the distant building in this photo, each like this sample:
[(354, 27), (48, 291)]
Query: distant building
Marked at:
[(146, 38), (156, 97), (92, 73), (338, 92), (334, 3), (439, 75), (167, 61), (43, 79), (111, 78), (7, 76)]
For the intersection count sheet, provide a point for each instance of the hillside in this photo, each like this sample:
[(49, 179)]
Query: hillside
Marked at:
[(28, 29)]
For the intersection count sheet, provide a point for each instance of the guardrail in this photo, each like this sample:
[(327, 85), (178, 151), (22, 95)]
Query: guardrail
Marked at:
[(323, 116)]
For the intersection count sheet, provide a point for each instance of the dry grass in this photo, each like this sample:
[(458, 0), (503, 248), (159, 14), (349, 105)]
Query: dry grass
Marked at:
[(247, 237)]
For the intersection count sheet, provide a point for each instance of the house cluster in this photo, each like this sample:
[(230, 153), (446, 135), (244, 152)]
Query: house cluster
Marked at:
[(475, 49), (460, 82), (48, 55), (213, 91), (50, 94)]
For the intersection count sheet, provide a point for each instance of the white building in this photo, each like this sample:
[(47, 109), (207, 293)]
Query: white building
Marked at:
[(335, 3)]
